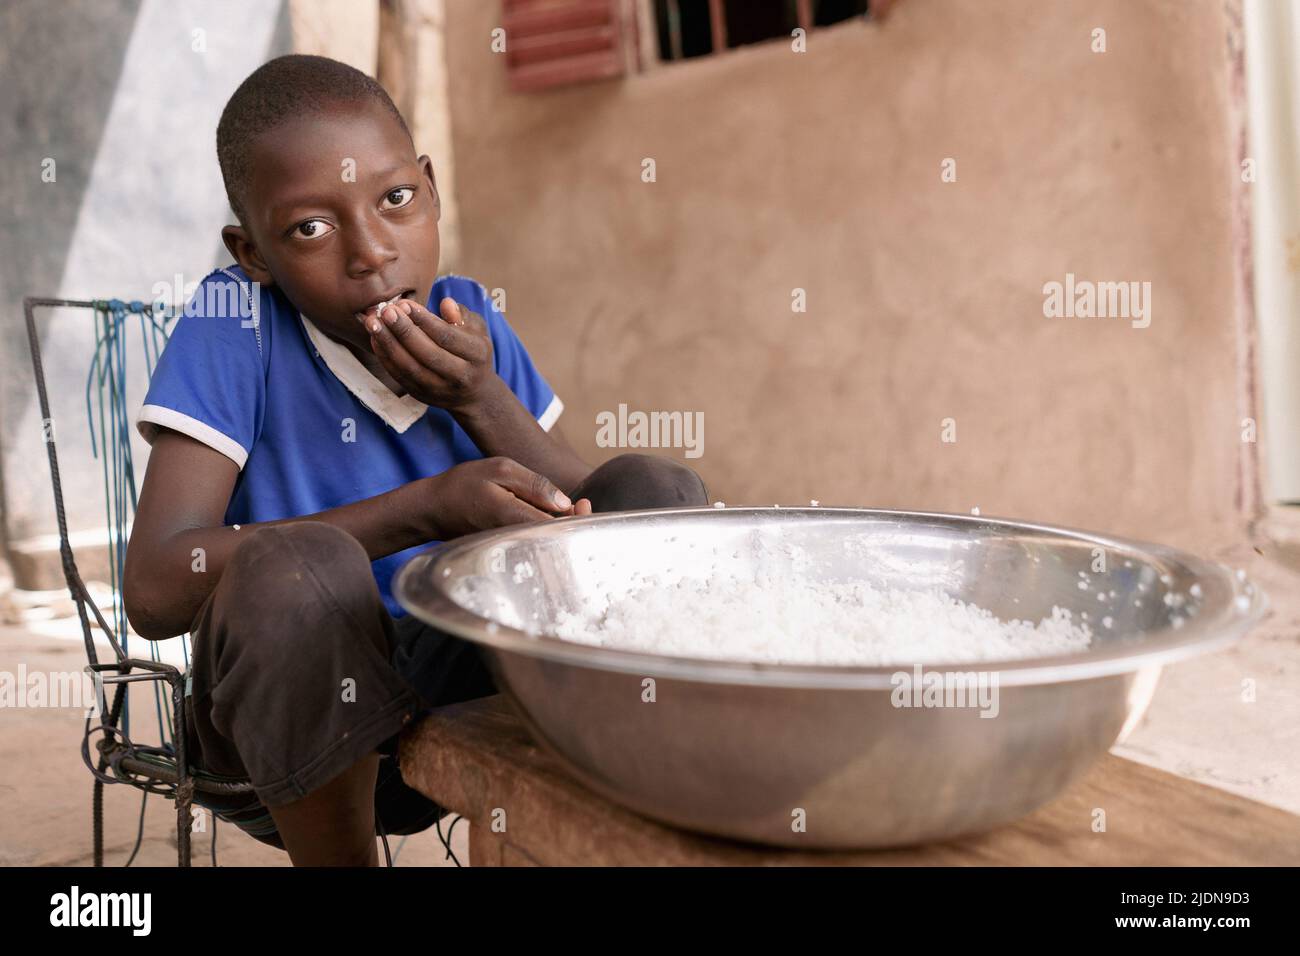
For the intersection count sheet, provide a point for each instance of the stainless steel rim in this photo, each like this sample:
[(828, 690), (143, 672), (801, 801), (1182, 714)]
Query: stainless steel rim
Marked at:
[(1232, 608)]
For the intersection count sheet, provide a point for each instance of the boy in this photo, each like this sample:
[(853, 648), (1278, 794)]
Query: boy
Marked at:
[(300, 458)]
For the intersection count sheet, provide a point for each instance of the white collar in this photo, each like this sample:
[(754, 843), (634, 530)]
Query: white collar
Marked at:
[(400, 413)]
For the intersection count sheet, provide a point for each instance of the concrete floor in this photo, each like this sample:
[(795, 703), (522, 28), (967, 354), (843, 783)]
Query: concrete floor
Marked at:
[(45, 789), (1199, 725)]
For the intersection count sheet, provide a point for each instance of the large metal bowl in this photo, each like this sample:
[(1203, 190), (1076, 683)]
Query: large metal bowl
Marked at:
[(820, 756)]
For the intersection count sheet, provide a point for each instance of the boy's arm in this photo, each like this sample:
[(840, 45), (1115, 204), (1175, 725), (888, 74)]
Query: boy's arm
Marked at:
[(187, 487), (500, 425), (446, 361)]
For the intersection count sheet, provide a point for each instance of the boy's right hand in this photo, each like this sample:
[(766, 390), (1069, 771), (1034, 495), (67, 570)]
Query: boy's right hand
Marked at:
[(492, 492)]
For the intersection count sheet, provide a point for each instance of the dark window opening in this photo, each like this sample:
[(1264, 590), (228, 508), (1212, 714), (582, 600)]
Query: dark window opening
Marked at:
[(827, 12), (686, 27)]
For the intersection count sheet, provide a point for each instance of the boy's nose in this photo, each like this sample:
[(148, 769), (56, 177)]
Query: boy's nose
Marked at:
[(371, 249)]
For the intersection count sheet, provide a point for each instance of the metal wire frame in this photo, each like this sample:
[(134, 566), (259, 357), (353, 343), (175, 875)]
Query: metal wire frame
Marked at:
[(163, 770)]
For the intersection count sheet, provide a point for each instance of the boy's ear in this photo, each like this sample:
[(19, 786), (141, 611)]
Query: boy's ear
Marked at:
[(426, 166), (245, 253)]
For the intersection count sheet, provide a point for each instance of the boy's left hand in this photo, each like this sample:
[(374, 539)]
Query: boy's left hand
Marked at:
[(445, 361)]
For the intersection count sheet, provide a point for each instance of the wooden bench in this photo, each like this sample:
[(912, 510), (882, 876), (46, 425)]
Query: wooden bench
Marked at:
[(475, 757)]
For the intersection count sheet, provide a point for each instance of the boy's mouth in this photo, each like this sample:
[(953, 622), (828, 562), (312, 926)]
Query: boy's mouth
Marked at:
[(377, 305)]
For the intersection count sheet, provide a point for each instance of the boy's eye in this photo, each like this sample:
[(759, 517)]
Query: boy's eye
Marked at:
[(398, 197), (312, 229)]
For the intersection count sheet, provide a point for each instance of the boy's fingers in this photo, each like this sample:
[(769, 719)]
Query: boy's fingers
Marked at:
[(443, 333), (397, 360), (451, 311), (510, 510), (471, 321), (468, 341), (410, 349), (534, 488)]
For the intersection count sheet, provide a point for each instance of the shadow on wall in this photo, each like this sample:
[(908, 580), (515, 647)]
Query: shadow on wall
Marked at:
[(111, 187), (61, 121)]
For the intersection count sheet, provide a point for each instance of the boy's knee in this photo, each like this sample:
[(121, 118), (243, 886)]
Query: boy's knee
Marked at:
[(295, 595), (283, 565), (633, 481)]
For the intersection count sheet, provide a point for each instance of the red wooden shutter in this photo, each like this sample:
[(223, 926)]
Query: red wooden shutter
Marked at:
[(558, 42)]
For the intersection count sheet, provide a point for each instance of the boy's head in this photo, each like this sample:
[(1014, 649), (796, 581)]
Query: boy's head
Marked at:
[(334, 207)]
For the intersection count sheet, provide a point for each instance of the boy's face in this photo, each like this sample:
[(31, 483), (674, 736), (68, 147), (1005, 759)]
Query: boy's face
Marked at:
[(341, 214)]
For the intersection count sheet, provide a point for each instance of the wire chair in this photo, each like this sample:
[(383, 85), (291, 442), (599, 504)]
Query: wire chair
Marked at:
[(163, 769)]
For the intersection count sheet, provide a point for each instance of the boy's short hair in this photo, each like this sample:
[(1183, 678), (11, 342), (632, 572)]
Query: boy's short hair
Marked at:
[(278, 90)]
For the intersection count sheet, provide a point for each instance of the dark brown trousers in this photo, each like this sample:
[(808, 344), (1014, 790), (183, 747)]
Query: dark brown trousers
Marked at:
[(299, 670)]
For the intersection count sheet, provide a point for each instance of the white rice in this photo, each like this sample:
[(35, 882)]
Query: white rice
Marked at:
[(781, 619), (763, 598)]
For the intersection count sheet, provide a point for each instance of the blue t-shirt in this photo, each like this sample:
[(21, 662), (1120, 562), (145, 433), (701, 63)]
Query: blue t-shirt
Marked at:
[(308, 425)]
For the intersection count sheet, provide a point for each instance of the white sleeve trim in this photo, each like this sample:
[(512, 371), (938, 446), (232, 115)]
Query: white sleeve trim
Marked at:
[(154, 415), (548, 417)]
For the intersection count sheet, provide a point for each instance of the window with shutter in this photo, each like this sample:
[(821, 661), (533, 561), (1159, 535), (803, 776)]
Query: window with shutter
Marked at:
[(553, 43)]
